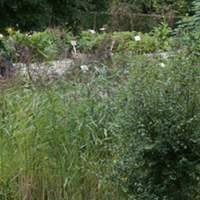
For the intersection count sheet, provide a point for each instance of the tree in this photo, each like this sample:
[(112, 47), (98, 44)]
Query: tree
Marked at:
[(38, 14)]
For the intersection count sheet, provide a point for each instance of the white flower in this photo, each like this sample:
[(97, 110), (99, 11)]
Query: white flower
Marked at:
[(162, 65), (1, 36), (92, 31), (73, 43), (102, 29), (84, 68), (137, 38), (28, 35)]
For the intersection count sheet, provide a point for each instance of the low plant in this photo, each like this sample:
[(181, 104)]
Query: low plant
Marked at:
[(163, 35)]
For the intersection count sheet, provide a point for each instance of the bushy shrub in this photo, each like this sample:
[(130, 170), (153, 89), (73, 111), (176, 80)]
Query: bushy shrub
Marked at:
[(46, 45), (148, 44), (163, 35), (160, 130), (87, 41)]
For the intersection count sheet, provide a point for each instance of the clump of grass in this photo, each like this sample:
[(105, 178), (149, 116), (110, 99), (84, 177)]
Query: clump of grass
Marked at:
[(55, 142)]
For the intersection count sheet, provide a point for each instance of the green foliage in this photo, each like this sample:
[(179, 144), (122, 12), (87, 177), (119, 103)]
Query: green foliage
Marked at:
[(158, 6), (163, 33), (87, 41), (188, 31), (148, 44), (144, 15), (141, 115), (56, 141), (45, 45), (125, 41), (191, 23), (50, 44), (37, 15), (25, 14), (40, 14), (159, 129)]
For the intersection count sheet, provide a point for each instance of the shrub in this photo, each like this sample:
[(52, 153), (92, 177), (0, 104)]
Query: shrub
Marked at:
[(146, 45), (160, 130), (45, 45), (87, 41), (162, 34)]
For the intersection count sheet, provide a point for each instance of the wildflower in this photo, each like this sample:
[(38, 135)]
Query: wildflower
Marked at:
[(162, 65), (1, 36), (84, 68), (92, 31), (137, 38), (102, 29), (29, 34)]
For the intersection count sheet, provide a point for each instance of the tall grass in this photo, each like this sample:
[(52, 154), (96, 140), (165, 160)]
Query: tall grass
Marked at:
[(55, 142)]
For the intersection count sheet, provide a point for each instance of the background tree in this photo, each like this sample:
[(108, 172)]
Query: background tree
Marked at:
[(38, 14)]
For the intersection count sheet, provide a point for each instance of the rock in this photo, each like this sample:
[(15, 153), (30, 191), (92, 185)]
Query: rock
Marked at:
[(44, 70), (6, 67)]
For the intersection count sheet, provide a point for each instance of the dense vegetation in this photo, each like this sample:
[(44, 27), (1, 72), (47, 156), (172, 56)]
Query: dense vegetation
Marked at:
[(159, 123), (50, 44), (123, 125), (38, 14)]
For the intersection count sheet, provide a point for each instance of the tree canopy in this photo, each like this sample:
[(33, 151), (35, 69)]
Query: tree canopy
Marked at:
[(39, 14)]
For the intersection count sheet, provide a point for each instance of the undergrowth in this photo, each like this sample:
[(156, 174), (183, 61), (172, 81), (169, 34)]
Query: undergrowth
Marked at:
[(55, 141)]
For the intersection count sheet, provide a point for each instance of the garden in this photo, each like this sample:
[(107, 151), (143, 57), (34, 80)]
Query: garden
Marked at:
[(100, 108)]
